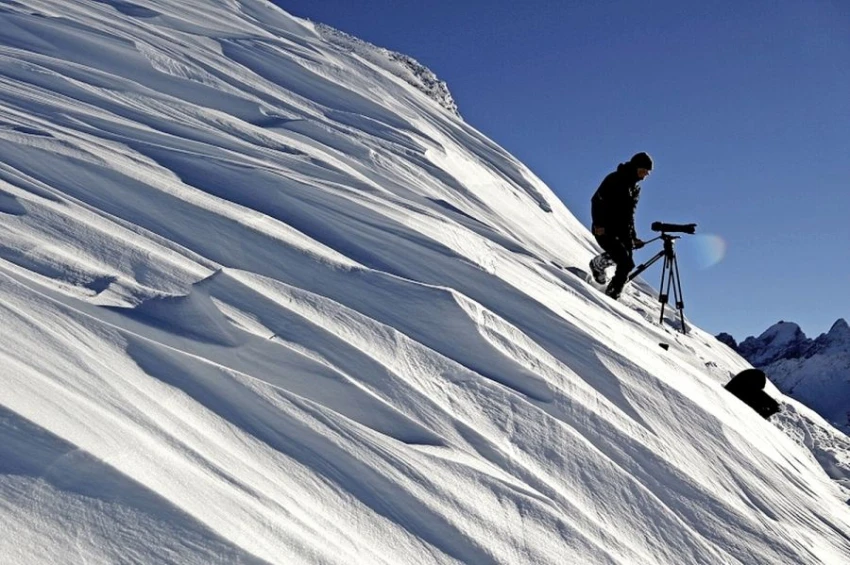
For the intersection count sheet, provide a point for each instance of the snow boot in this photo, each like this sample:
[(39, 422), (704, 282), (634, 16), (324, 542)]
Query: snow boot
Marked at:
[(597, 269)]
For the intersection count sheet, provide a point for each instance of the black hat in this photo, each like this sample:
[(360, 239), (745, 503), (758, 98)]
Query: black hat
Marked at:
[(641, 161)]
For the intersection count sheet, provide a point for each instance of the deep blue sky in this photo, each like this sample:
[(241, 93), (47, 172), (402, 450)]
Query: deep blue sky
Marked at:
[(745, 107)]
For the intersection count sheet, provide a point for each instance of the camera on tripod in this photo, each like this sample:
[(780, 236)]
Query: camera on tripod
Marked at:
[(670, 280), (673, 228)]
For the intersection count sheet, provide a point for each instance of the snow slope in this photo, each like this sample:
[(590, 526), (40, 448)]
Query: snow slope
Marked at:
[(263, 301)]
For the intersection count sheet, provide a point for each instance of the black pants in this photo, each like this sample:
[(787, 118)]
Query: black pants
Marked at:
[(616, 252)]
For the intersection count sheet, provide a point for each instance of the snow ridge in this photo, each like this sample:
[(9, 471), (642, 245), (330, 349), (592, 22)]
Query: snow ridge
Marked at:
[(405, 67)]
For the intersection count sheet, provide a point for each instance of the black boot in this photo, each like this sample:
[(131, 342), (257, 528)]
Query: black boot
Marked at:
[(614, 291)]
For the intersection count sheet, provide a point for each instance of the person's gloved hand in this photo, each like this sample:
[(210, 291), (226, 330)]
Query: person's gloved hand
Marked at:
[(637, 243)]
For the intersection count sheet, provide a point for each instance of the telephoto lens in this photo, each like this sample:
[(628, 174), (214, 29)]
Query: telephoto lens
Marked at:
[(674, 228)]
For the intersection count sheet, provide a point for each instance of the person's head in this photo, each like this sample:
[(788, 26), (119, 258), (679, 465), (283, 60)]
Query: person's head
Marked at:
[(642, 163)]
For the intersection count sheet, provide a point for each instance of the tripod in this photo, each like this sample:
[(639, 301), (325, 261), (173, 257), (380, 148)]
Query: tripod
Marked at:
[(669, 277)]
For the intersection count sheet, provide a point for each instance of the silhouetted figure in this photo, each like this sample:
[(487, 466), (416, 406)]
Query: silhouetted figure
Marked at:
[(612, 210)]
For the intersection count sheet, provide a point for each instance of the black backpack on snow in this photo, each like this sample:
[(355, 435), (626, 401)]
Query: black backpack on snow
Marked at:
[(748, 385)]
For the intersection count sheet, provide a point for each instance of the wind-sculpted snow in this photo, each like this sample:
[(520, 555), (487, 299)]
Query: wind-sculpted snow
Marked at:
[(402, 66), (263, 302)]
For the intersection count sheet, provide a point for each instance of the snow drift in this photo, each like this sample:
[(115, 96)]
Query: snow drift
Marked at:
[(264, 301)]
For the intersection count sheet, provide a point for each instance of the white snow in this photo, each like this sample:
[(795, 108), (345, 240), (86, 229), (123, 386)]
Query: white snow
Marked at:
[(263, 301)]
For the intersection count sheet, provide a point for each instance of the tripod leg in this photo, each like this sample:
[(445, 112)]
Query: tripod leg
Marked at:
[(662, 295), (680, 298), (645, 266)]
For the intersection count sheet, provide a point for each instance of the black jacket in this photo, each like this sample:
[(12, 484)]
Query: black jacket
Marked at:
[(613, 205)]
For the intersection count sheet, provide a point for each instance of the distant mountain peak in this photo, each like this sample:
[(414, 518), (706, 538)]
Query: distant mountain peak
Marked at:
[(836, 340), (840, 328), (783, 340), (783, 333)]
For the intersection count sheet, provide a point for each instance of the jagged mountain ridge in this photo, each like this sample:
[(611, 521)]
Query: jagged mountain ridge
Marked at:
[(814, 371), (263, 302)]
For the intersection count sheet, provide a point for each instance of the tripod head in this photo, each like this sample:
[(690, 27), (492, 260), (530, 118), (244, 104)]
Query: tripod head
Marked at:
[(666, 237)]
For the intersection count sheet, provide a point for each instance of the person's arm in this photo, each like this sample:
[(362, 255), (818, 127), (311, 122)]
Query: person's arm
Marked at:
[(634, 197)]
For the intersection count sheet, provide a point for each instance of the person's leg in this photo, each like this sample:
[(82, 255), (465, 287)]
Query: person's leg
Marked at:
[(622, 256)]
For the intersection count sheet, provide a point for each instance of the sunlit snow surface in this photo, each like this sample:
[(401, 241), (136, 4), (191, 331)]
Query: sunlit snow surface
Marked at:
[(262, 300)]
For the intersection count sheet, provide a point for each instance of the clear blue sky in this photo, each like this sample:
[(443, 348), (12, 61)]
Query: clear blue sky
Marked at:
[(745, 107)]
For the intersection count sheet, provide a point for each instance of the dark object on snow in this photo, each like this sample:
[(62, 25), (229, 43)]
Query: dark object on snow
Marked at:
[(748, 385), (664, 346)]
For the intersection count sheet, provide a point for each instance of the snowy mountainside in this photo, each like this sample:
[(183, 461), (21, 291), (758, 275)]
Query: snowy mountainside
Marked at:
[(405, 67), (814, 371), (263, 302)]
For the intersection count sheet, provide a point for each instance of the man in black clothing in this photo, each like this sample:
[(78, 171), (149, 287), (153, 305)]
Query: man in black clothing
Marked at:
[(613, 213)]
